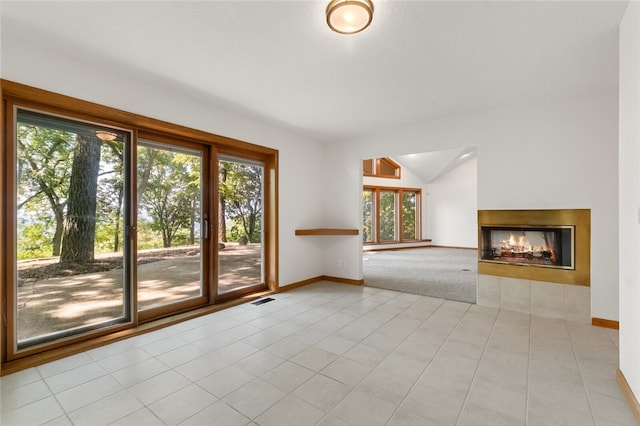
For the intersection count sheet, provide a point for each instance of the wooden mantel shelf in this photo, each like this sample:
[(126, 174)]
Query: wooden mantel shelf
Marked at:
[(327, 231)]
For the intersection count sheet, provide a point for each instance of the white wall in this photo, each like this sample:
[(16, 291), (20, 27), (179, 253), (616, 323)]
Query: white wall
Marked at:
[(300, 175), (556, 154), (452, 207), (629, 178)]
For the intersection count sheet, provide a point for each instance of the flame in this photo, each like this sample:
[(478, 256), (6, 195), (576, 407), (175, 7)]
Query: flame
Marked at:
[(521, 244)]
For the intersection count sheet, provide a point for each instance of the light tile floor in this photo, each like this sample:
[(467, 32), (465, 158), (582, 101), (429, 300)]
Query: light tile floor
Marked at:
[(333, 354)]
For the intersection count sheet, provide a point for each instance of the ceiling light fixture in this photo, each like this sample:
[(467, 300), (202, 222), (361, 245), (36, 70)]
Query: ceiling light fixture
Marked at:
[(106, 136), (349, 16)]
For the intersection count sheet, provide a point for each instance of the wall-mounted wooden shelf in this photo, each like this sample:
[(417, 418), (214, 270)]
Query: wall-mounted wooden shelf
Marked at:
[(327, 231)]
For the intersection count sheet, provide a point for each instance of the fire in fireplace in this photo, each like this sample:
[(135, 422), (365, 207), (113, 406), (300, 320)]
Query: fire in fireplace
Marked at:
[(544, 246)]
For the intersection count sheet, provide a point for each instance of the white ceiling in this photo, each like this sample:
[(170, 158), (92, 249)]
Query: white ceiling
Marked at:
[(429, 166), (419, 60)]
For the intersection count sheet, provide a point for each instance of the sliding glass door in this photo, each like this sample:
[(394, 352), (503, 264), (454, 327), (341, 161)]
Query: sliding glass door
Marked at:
[(71, 219), (108, 225), (172, 226), (240, 225)]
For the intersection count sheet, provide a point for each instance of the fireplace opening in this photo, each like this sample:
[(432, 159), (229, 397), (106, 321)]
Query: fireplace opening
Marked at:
[(543, 246)]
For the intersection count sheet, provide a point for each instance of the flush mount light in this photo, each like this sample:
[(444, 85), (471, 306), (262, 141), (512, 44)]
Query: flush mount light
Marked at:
[(349, 16), (106, 136)]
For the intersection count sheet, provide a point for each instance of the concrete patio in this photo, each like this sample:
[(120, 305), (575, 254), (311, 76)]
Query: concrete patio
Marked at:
[(61, 303)]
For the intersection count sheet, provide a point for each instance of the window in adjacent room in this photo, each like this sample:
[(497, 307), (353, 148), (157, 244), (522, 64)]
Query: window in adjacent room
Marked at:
[(390, 215), (381, 167)]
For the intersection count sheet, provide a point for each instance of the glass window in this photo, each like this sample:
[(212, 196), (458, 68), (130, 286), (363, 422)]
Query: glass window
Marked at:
[(367, 167), (368, 215), (240, 222), (388, 216), (170, 219), (388, 168), (71, 190), (381, 167), (409, 219)]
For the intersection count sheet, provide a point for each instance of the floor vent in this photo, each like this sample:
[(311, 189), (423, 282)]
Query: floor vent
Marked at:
[(261, 301)]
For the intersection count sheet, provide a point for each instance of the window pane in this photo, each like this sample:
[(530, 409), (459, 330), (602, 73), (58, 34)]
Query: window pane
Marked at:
[(240, 224), (388, 216), (368, 216), (169, 223), (367, 166), (388, 168), (409, 216), (70, 227)]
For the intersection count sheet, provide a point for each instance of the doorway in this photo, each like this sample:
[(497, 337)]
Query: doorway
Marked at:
[(437, 193), (240, 225)]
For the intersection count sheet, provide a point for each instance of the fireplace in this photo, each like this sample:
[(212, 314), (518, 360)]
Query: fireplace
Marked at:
[(538, 245), (536, 262), (547, 246)]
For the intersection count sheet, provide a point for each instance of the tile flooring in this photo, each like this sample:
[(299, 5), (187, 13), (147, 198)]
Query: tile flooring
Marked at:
[(334, 354)]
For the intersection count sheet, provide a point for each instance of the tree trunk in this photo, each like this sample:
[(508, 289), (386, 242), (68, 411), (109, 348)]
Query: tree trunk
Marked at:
[(252, 225), (192, 220), (116, 236), (166, 238), (57, 236), (80, 226), (222, 223), (222, 208), (143, 178)]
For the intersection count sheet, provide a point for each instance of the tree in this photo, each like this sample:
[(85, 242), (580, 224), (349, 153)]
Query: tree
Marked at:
[(68, 183), (222, 202), (110, 196), (409, 216), (146, 159), (387, 216), (44, 164), (79, 228), (172, 193), (242, 194), (367, 215)]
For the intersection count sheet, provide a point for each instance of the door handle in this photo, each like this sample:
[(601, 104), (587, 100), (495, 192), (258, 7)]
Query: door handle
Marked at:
[(205, 225)]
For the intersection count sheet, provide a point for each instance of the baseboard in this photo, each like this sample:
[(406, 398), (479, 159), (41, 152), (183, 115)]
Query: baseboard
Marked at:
[(454, 247), (601, 322), (343, 280), (299, 284), (628, 394), (308, 281), (421, 244)]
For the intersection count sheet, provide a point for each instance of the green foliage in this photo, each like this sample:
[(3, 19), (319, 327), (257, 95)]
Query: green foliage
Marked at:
[(409, 216), (367, 215), (34, 241), (45, 158), (241, 189), (171, 193), (387, 216), (236, 231), (148, 238)]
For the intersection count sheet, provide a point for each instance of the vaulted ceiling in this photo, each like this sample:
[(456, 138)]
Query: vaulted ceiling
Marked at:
[(419, 60)]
